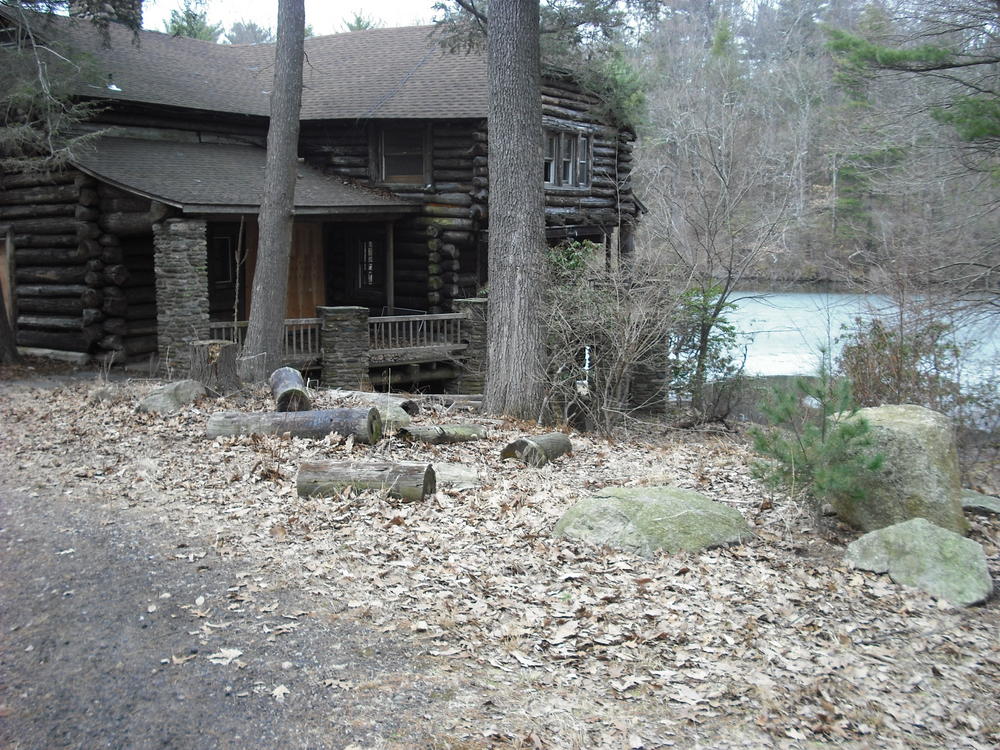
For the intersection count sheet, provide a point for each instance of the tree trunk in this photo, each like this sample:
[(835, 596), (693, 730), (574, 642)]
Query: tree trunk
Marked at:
[(516, 361), (410, 481), (213, 364), (364, 425), (8, 347), (538, 450), (289, 390), (265, 331)]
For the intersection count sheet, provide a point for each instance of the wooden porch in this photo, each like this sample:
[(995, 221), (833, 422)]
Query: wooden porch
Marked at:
[(393, 340)]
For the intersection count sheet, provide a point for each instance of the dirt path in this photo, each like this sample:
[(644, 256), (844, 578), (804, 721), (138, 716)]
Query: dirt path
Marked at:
[(115, 632)]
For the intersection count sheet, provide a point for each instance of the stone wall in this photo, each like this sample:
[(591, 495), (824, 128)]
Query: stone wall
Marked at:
[(181, 263), (343, 335)]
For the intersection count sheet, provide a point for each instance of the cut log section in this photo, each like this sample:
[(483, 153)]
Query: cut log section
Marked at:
[(409, 481), (364, 425), (289, 390), (538, 450), (443, 433), (213, 364)]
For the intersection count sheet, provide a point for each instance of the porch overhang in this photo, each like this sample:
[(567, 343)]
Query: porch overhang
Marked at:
[(222, 178)]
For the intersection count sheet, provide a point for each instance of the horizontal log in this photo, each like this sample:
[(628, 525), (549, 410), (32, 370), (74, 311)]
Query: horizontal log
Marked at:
[(380, 400), (441, 223), (409, 481), (9, 181), (91, 297), (52, 256), (115, 306), (64, 210), (70, 342), (451, 174), (443, 433), (50, 290), (457, 237), (90, 316), (124, 204), (46, 240), (54, 225), (457, 212), (50, 322), (364, 425), (50, 274), (116, 326), (451, 199), (40, 194), (50, 305)]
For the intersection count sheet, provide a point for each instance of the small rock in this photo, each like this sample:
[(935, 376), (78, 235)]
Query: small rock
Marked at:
[(171, 397), (918, 553), (646, 520), (977, 502)]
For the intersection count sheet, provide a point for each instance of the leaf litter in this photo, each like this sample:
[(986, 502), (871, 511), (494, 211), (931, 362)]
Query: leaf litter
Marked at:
[(545, 642)]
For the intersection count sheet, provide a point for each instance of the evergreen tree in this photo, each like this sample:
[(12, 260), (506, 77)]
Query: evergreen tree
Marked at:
[(191, 20), (247, 32)]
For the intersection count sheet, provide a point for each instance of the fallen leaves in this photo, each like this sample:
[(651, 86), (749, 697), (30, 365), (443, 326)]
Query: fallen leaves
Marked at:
[(546, 627)]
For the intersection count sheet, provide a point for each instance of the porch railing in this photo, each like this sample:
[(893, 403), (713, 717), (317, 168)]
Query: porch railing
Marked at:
[(392, 339), (301, 337), (412, 339)]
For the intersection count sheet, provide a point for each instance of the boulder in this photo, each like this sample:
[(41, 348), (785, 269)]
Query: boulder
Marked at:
[(171, 397), (977, 502), (919, 478), (646, 520), (918, 553)]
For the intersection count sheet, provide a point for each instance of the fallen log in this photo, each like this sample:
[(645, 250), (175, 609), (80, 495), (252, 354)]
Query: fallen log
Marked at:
[(364, 425), (289, 390), (408, 405), (443, 433), (409, 481), (538, 450)]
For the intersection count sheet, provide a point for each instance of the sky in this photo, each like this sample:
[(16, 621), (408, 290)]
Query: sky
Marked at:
[(326, 16)]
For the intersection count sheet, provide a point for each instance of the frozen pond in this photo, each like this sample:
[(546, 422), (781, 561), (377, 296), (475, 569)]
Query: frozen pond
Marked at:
[(786, 331)]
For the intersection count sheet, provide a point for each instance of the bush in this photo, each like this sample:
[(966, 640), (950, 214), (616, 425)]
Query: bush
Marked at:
[(816, 442)]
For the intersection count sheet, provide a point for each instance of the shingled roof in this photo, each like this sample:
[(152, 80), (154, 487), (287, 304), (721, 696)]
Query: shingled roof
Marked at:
[(378, 73), (220, 178)]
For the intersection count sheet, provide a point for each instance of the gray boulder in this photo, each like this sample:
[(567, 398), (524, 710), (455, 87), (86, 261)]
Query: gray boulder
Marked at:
[(918, 553), (171, 397), (977, 502), (920, 476), (645, 520)]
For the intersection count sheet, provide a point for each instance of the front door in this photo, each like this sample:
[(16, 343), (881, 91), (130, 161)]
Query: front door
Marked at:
[(356, 265), (225, 271)]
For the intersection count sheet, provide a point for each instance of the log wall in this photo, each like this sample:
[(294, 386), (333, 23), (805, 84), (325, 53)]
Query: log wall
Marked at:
[(84, 278), (439, 254)]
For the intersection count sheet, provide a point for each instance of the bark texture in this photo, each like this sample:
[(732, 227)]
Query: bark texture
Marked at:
[(265, 332), (516, 362)]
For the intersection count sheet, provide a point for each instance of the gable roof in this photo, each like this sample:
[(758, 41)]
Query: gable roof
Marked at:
[(220, 178), (378, 73)]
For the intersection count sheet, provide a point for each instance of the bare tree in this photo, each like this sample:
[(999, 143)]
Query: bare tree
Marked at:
[(262, 350)]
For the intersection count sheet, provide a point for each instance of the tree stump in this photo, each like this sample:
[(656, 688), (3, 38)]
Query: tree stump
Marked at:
[(289, 390), (213, 364), (538, 450), (443, 433), (409, 481), (364, 425)]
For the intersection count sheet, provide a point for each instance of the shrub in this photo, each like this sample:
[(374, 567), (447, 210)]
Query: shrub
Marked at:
[(816, 441)]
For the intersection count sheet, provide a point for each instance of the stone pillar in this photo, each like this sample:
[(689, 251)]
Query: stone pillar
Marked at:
[(473, 377), (181, 261), (343, 335)]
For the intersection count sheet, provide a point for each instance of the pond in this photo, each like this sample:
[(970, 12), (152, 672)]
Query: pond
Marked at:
[(785, 332)]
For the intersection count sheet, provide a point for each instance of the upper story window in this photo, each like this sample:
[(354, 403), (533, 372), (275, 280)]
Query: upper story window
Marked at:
[(567, 159), (403, 155)]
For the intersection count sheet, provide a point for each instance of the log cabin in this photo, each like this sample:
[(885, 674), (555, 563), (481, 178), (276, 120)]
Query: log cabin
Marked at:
[(147, 239)]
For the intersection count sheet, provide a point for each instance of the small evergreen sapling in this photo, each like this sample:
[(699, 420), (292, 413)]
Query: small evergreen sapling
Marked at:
[(817, 451)]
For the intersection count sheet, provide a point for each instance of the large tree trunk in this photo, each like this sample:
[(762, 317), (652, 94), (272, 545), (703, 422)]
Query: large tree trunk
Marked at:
[(516, 362), (265, 332)]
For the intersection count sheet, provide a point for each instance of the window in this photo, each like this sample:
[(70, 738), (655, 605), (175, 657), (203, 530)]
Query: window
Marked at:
[(567, 159), (403, 156)]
